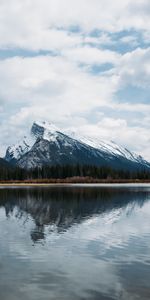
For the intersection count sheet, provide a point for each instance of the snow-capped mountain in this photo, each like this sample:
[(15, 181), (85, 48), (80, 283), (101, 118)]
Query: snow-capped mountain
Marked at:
[(109, 147), (15, 152), (48, 145), (39, 130)]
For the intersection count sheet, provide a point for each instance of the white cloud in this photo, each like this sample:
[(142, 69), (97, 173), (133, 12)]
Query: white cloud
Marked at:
[(34, 24), (130, 39), (90, 55), (134, 68), (99, 40), (56, 88), (32, 80)]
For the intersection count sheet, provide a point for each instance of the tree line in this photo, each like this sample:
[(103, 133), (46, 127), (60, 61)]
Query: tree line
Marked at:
[(68, 171)]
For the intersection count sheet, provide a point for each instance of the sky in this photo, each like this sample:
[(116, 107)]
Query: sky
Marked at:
[(80, 64)]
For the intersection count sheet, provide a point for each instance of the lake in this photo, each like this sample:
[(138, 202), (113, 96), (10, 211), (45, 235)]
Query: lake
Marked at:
[(84, 242)]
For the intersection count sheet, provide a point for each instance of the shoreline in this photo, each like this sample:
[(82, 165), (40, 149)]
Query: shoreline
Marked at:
[(70, 182)]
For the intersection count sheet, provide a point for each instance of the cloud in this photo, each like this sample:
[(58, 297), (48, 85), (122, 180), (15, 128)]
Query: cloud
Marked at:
[(32, 80), (54, 69), (41, 24), (90, 55), (46, 87), (134, 68), (130, 39)]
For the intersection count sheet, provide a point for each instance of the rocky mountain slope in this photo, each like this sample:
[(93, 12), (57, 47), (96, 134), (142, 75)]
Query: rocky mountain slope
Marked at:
[(4, 164), (47, 145)]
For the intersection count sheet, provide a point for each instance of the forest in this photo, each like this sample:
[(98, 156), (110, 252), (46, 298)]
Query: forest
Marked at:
[(71, 171)]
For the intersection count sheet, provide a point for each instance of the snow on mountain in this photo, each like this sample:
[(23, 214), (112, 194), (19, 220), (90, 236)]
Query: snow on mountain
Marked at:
[(16, 151), (48, 144), (43, 130), (109, 147)]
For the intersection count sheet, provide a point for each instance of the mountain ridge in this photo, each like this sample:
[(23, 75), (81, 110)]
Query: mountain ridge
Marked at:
[(48, 145)]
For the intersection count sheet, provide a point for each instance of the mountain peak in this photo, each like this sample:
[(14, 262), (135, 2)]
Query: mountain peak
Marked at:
[(46, 126), (45, 130), (47, 144)]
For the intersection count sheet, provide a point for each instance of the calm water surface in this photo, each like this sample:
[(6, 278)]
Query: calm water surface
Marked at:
[(75, 243)]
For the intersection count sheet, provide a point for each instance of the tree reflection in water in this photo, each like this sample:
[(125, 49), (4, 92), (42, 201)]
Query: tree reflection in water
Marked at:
[(61, 207)]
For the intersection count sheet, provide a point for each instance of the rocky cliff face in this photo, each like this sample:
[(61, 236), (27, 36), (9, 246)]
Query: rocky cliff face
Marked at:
[(47, 145)]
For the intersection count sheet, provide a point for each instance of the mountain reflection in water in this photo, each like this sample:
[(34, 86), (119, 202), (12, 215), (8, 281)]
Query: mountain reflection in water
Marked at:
[(75, 243), (60, 208)]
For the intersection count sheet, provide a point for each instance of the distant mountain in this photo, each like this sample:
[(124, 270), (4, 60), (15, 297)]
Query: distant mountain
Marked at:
[(48, 145)]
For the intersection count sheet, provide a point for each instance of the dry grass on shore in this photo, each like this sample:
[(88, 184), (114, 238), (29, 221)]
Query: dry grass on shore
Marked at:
[(70, 180)]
